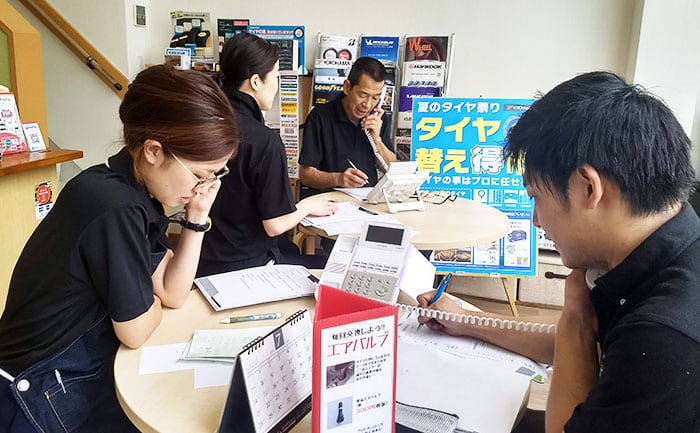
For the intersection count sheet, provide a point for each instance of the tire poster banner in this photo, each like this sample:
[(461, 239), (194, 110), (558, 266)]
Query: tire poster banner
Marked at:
[(460, 142)]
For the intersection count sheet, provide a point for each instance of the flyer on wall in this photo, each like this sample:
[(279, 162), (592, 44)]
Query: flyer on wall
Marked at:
[(425, 71), (11, 133), (337, 47), (382, 48), (329, 75), (460, 141), (289, 121), (289, 41)]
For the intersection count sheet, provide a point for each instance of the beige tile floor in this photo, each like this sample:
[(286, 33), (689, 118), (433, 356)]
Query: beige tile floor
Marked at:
[(538, 392)]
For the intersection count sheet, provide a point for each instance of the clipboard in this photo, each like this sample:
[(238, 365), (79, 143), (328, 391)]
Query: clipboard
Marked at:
[(270, 387)]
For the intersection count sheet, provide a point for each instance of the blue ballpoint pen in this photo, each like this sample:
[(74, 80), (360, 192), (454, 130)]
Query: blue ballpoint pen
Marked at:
[(440, 290)]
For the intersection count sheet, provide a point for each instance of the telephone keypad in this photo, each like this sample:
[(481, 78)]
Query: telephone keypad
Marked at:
[(363, 281)]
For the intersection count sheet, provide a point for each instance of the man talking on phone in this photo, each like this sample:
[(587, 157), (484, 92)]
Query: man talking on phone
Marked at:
[(348, 139)]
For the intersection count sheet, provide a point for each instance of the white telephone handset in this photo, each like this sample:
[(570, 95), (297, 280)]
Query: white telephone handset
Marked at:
[(384, 166)]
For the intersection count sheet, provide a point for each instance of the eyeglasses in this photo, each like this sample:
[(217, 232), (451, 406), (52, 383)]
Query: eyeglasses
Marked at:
[(438, 197), (206, 181)]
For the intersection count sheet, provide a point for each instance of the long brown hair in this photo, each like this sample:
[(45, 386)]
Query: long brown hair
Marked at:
[(185, 111)]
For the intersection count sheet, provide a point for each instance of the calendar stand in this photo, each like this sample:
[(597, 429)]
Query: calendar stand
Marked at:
[(270, 388)]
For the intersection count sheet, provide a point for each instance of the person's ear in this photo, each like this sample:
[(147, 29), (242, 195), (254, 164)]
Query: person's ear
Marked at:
[(255, 82), (153, 152), (590, 179), (347, 85)]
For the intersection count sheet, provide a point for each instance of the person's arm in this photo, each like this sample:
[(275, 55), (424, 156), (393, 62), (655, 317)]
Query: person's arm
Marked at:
[(538, 346), (133, 333), (319, 179), (315, 205), (575, 354), (173, 278)]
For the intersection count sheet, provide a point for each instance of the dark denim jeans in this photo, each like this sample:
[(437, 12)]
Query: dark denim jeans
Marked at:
[(72, 391)]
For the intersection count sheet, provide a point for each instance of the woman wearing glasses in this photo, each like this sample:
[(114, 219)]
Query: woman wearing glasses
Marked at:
[(98, 269), (256, 204)]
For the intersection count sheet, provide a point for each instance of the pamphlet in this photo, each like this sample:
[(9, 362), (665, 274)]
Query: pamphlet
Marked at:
[(354, 363)]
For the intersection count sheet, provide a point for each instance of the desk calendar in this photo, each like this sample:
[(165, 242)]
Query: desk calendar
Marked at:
[(271, 384)]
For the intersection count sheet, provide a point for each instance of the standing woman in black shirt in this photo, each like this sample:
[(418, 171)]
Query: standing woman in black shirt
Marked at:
[(99, 268), (256, 204)]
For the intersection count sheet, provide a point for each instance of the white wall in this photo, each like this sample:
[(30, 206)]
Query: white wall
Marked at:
[(668, 56), (138, 39), (82, 112), (503, 48)]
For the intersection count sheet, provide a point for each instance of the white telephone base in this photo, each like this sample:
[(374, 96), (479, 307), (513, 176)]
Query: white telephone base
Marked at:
[(400, 206)]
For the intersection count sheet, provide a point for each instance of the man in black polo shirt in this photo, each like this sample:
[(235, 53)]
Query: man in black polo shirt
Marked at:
[(608, 167), (336, 150)]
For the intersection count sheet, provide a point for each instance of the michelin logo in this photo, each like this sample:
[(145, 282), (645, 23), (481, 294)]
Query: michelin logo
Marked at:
[(373, 42)]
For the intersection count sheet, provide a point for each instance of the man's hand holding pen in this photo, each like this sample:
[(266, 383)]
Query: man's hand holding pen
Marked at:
[(435, 300), (352, 177)]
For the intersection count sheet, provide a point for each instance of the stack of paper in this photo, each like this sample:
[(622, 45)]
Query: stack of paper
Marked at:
[(221, 344), (356, 193), (425, 420), (256, 286), (347, 219)]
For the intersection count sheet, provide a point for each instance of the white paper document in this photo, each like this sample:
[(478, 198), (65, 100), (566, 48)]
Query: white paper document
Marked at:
[(219, 375), (222, 344), (256, 286), (356, 193), (484, 385), (165, 358), (348, 219)]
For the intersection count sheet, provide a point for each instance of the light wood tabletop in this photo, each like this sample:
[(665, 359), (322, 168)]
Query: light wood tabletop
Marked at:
[(169, 402), (455, 223)]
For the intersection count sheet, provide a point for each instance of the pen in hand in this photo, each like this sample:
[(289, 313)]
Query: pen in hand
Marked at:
[(440, 290), (355, 167), (254, 317)]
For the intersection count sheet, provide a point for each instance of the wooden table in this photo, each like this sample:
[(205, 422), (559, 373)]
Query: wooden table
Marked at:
[(453, 224), (168, 402)]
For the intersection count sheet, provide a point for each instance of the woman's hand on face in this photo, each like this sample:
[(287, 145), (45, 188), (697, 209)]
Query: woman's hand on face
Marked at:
[(198, 207)]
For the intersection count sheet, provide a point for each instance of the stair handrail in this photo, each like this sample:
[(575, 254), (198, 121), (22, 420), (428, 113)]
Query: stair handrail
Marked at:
[(80, 46)]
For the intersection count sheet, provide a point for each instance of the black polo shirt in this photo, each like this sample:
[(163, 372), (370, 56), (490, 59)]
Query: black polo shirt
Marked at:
[(93, 253), (331, 139), (256, 189), (648, 310)]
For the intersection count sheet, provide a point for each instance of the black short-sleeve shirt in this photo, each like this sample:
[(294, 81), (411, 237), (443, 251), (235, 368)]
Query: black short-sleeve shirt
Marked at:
[(331, 139), (648, 308), (93, 254), (256, 189)]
